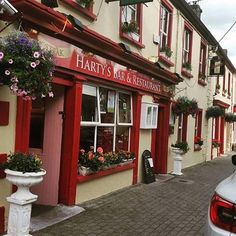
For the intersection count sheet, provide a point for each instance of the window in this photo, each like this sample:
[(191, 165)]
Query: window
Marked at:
[(229, 88), (198, 127), (107, 120), (149, 114), (182, 127), (186, 47), (37, 124), (165, 26), (131, 23), (84, 7), (202, 62)]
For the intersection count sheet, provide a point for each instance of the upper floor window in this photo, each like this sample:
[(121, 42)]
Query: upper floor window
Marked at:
[(202, 61), (165, 26), (182, 127), (131, 22)]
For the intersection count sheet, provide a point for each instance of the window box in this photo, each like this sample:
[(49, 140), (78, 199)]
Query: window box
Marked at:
[(186, 73), (149, 116), (202, 82), (165, 60)]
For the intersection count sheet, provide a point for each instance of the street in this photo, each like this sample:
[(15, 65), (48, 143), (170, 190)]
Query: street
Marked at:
[(175, 207)]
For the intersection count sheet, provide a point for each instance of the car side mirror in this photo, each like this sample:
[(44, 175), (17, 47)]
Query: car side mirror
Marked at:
[(234, 159)]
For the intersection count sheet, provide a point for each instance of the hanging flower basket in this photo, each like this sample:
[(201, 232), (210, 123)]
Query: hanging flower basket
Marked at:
[(214, 111), (25, 67), (230, 117), (184, 105)]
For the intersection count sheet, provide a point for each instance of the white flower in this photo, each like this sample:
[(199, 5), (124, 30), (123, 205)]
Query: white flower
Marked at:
[(43, 96), (36, 55), (50, 94), (14, 79), (10, 61), (7, 72), (33, 64), (1, 55)]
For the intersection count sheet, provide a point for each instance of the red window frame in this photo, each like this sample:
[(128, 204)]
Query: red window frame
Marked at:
[(126, 36), (198, 125), (182, 127), (87, 12), (202, 61), (229, 84)]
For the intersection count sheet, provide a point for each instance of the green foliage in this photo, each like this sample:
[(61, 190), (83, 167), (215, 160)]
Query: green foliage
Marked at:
[(86, 3), (184, 105), (182, 146), (22, 162), (214, 111), (230, 117), (187, 66), (130, 27), (167, 51), (25, 67)]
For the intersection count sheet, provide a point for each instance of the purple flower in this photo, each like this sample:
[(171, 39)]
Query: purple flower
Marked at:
[(10, 61), (7, 72), (1, 55), (33, 64), (36, 55)]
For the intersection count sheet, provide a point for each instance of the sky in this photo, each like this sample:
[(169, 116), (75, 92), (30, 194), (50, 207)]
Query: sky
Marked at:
[(219, 16)]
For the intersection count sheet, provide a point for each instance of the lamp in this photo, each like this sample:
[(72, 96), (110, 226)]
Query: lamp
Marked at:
[(75, 22), (125, 47)]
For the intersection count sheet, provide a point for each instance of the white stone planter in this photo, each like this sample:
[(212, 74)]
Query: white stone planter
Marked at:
[(177, 161), (21, 200)]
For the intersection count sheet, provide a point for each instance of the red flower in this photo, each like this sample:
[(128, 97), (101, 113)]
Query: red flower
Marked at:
[(82, 151), (101, 159), (100, 150), (90, 155)]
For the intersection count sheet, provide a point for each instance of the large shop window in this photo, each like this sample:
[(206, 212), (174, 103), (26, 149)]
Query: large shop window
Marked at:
[(37, 124), (106, 119), (131, 23)]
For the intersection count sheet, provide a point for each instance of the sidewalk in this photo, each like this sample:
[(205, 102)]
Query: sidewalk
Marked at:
[(176, 207)]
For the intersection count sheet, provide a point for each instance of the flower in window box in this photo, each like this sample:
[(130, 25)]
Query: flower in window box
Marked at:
[(85, 3), (25, 66), (198, 140), (202, 77), (167, 51), (216, 143), (187, 66), (130, 27)]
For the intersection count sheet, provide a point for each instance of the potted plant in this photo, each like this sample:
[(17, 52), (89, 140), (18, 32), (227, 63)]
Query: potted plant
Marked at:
[(182, 146), (214, 111), (130, 27), (85, 3), (184, 105), (23, 170), (230, 117), (167, 51), (187, 66), (126, 157), (25, 66), (198, 142)]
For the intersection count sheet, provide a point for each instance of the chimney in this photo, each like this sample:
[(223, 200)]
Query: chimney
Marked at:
[(197, 9)]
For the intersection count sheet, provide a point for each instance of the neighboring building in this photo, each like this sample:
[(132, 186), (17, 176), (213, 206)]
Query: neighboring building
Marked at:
[(114, 69)]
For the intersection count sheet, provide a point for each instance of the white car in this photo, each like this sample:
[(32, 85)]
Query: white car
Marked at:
[(222, 210)]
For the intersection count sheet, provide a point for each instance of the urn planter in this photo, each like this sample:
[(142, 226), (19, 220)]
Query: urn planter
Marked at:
[(21, 200), (177, 169)]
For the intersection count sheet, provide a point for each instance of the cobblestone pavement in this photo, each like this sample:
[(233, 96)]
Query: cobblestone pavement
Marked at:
[(177, 207)]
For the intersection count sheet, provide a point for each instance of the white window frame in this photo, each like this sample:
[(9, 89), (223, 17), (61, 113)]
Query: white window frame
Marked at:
[(186, 46), (164, 21), (127, 13)]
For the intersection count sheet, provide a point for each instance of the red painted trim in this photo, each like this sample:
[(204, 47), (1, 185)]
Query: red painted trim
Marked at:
[(185, 127), (217, 123), (190, 30), (203, 46), (135, 132), (87, 12), (70, 145), (222, 135), (4, 111), (102, 173), (166, 61), (2, 220), (3, 158), (224, 82), (61, 81), (220, 103), (22, 125), (229, 84), (131, 40), (186, 74)]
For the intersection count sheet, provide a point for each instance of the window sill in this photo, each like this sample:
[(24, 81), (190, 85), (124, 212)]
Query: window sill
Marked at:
[(82, 179), (186, 74), (202, 82), (166, 61), (86, 12), (131, 40)]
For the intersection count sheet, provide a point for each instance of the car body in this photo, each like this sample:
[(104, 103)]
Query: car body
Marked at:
[(221, 219)]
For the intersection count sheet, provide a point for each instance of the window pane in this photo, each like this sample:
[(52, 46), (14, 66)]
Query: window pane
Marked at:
[(105, 138), (107, 105), (37, 124), (124, 108), (86, 137), (154, 115), (89, 104), (122, 138)]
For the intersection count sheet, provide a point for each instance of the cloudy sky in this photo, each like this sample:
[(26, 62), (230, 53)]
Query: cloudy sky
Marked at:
[(219, 16)]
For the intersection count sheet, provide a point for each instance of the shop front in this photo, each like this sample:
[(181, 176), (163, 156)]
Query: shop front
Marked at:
[(103, 98)]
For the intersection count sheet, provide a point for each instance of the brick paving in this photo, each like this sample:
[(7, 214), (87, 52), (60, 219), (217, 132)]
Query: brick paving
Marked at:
[(177, 207)]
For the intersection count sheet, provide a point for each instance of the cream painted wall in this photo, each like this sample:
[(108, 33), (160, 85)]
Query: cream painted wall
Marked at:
[(104, 185)]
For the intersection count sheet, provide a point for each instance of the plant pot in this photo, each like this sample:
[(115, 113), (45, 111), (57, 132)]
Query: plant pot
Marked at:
[(24, 181), (177, 161), (85, 170)]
